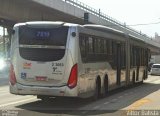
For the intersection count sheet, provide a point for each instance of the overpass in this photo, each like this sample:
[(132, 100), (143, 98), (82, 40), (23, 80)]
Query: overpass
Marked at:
[(13, 11)]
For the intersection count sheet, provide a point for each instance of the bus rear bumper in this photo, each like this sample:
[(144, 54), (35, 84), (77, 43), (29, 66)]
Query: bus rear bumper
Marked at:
[(19, 89)]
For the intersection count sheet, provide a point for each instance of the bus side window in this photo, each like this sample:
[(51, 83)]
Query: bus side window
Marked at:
[(82, 43), (96, 45), (90, 40), (109, 47), (101, 43), (105, 46)]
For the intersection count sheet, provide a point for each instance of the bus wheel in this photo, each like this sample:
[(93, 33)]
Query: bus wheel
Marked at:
[(97, 90), (105, 91), (133, 78), (144, 75)]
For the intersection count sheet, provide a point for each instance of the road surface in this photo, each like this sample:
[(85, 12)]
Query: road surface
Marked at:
[(133, 101)]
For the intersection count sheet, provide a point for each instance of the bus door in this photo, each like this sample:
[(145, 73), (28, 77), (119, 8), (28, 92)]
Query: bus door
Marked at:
[(138, 63), (118, 60)]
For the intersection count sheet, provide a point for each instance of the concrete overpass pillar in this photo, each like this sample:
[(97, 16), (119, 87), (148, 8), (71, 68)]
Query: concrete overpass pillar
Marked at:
[(4, 42), (9, 31)]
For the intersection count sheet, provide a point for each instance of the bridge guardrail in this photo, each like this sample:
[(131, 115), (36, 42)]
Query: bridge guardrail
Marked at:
[(104, 16)]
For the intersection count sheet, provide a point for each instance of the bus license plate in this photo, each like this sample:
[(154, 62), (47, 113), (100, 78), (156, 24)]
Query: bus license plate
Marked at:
[(41, 78)]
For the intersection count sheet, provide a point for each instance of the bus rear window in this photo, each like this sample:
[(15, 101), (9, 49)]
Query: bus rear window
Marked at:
[(155, 66), (43, 36)]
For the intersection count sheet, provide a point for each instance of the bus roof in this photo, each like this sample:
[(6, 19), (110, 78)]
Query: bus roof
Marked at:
[(103, 28), (47, 23)]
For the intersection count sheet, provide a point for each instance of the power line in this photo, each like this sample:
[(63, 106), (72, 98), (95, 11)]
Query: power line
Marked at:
[(144, 24)]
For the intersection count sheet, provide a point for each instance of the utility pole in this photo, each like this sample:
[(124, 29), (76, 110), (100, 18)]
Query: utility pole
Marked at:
[(86, 18)]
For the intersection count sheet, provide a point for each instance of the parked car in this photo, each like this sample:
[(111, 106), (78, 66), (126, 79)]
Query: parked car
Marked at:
[(155, 69)]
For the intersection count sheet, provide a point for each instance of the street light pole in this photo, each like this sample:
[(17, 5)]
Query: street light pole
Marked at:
[(4, 46)]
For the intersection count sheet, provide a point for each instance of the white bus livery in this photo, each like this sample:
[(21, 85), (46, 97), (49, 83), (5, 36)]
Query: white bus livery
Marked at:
[(58, 59)]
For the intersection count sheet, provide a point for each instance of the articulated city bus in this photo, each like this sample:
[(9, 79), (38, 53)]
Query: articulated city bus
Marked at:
[(57, 59)]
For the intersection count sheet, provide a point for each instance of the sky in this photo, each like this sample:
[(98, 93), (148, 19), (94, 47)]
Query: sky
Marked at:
[(132, 12)]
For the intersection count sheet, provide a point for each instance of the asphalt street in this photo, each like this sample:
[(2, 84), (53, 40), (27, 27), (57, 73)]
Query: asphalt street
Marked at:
[(121, 102)]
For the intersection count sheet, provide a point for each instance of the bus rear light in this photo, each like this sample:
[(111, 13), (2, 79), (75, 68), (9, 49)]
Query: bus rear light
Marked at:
[(72, 82), (12, 76)]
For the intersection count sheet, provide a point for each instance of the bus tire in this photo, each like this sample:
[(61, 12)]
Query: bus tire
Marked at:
[(97, 90), (144, 75), (105, 91), (134, 78)]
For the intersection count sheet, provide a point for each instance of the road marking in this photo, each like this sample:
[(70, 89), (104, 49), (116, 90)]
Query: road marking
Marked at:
[(130, 92), (152, 81), (113, 100), (120, 96), (4, 93), (96, 107), (85, 112), (17, 102), (106, 103), (157, 82), (4, 87), (139, 103)]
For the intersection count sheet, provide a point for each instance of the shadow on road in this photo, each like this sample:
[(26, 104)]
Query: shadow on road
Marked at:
[(76, 106)]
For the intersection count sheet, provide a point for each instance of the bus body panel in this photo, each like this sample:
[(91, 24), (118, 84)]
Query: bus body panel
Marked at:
[(19, 89), (51, 77), (41, 75)]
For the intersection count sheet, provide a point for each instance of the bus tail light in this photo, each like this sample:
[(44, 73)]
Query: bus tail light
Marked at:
[(72, 82), (12, 75)]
